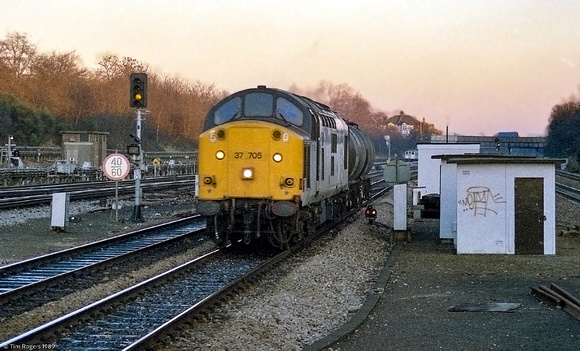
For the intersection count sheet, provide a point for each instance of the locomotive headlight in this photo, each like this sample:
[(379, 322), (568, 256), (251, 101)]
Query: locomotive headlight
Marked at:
[(248, 173), (220, 155), (277, 157)]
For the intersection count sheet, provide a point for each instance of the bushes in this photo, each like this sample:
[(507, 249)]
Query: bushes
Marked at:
[(27, 125)]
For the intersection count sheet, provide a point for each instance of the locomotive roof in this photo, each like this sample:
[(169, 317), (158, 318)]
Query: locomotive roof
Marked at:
[(301, 112)]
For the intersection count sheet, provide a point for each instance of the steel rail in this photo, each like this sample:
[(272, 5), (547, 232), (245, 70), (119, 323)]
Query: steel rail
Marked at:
[(148, 307), (560, 297), (208, 301), (148, 341), (80, 194), (27, 190), (139, 339), (22, 278), (568, 192), (573, 176)]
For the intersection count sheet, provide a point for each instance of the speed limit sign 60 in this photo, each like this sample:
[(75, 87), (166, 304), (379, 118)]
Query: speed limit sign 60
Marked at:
[(116, 166)]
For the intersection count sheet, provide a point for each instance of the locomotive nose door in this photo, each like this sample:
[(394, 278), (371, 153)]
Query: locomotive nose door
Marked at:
[(248, 171)]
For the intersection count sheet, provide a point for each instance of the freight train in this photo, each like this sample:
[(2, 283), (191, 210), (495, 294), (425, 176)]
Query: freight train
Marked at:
[(274, 165)]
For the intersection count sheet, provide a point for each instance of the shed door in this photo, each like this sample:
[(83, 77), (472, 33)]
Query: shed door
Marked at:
[(529, 216)]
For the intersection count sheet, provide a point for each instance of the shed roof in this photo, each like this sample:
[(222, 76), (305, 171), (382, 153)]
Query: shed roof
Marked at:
[(496, 159), (83, 132)]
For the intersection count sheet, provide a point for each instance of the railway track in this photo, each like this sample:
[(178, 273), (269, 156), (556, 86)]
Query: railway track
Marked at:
[(153, 315), (130, 318), (30, 283), (13, 197), (139, 317), (568, 192), (567, 185), (28, 190)]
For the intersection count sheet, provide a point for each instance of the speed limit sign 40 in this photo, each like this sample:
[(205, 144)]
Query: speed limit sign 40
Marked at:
[(116, 166)]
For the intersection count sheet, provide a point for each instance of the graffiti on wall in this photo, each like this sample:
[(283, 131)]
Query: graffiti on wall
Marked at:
[(480, 200)]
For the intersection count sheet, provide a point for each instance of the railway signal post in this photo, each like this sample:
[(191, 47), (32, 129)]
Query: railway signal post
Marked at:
[(137, 100)]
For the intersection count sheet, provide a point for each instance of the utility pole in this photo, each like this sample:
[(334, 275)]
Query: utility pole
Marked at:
[(388, 141), (9, 156)]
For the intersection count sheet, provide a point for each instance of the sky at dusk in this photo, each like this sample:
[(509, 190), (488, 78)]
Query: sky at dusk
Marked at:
[(478, 66)]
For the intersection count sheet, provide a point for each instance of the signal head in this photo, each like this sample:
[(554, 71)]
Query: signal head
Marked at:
[(138, 90)]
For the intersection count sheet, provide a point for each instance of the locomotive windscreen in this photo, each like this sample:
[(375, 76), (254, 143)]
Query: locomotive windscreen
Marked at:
[(263, 104)]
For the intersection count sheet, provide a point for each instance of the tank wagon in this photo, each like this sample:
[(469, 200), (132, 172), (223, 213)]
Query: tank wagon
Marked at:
[(274, 165)]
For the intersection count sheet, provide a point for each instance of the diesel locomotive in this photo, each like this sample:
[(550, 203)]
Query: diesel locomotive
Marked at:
[(274, 165)]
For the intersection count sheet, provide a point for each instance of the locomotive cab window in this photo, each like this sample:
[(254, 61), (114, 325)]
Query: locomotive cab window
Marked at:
[(264, 104), (289, 112), (258, 105), (228, 111)]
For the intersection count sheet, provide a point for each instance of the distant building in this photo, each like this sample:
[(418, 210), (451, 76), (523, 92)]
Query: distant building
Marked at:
[(428, 180), (404, 123), (407, 125), (85, 147), (503, 143)]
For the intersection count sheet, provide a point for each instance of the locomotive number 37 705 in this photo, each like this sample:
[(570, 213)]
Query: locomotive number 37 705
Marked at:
[(248, 155)]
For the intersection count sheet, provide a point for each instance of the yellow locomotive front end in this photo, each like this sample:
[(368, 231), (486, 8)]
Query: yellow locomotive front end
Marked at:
[(250, 180), (250, 160)]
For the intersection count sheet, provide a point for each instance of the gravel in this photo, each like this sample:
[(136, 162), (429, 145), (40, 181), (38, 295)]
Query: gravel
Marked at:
[(300, 301), (311, 294), (27, 231), (80, 208), (317, 291)]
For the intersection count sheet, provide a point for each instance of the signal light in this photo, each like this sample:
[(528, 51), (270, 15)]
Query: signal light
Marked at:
[(370, 214), (138, 90)]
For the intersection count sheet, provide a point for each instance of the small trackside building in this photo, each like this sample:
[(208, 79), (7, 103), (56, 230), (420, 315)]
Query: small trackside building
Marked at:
[(428, 167), (492, 204)]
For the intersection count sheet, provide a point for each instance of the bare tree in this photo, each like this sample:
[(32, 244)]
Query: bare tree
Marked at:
[(59, 84), (109, 68), (110, 83), (350, 104), (17, 53), (55, 84)]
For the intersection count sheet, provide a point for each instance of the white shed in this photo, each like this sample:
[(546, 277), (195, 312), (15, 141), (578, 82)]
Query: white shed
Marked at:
[(498, 204), (428, 168)]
